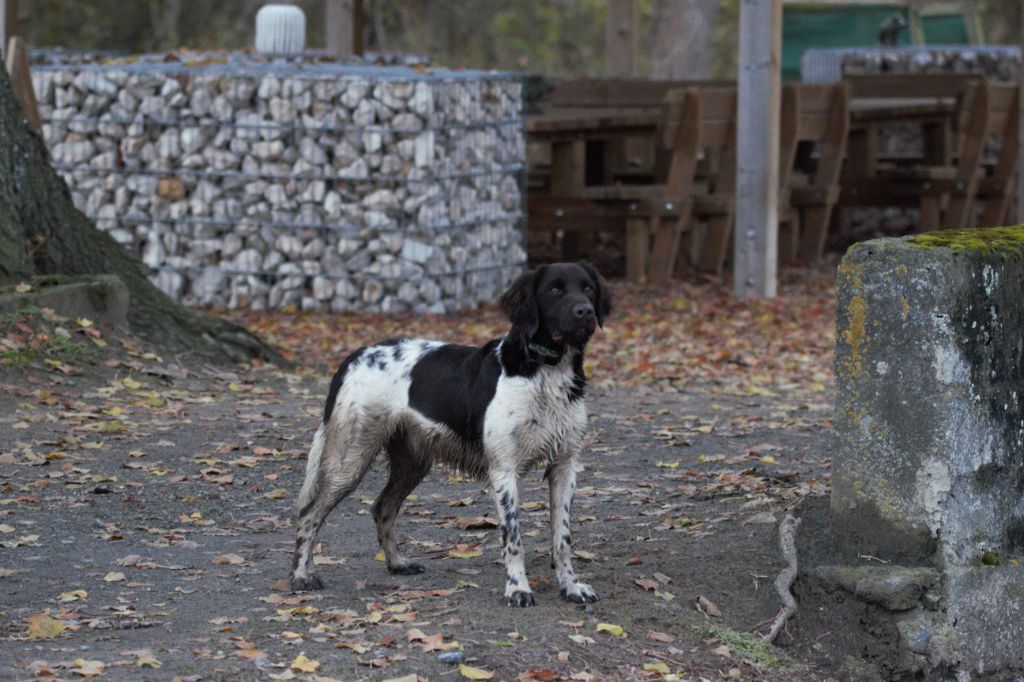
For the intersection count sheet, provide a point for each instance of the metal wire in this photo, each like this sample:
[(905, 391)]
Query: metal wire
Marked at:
[(360, 276), (326, 227), (178, 171)]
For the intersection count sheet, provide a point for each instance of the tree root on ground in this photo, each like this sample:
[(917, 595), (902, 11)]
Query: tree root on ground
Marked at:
[(784, 581)]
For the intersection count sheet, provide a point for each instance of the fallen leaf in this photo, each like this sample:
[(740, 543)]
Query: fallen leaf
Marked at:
[(657, 667), (464, 554), (147, 662), (231, 559), (113, 577), (305, 665), (611, 629), (471, 673), (73, 595), (87, 668), (42, 626), (708, 607)]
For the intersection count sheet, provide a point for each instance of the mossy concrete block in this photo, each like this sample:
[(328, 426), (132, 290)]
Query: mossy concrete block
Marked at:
[(928, 465), (100, 298), (929, 365)]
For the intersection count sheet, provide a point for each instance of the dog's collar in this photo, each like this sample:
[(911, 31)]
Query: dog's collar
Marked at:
[(544, 354)]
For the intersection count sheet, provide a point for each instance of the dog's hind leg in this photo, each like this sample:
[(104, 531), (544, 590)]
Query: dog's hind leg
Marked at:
[(562, 479), (336, 465), (406, 473)]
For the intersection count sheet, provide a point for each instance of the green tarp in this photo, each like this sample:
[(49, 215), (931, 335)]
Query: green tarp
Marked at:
[(812, 25), (809, 26)]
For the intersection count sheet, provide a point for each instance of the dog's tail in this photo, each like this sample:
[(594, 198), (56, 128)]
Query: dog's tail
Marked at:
[(311, 482)]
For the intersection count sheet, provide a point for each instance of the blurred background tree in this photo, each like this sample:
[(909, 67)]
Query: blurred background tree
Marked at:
[(679, 38)]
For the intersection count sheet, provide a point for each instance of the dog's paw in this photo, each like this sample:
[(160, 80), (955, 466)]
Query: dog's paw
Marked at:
[(307, 583), (579, 593), (519, 599), (406, 568)]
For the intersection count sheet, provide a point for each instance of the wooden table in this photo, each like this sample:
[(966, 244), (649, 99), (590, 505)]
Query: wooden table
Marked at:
[(867, 115), (586, 143)]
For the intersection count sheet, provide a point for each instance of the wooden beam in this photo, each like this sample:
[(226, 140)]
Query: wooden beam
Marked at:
[(1019, 199), (344, 27), (16, 63), (8, 23), (757, 139), (620, 38)]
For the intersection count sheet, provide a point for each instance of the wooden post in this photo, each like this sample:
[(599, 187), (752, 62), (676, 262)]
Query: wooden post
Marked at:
[(8, 23), (757, 141), (1019, 198), (344, 27), (21, 80), (620, 31)]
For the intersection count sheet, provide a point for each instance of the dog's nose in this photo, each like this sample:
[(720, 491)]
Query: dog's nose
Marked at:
[(583, 311)]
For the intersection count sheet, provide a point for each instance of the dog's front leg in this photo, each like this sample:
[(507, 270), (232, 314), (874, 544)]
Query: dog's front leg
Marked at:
[(505, 489), (562, 481)]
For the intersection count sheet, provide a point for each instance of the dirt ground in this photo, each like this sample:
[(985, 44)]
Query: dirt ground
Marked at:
[(146, 503)]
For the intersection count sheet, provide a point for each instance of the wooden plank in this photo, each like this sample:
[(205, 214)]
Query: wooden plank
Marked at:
[(8, 23), (344, 27), (1019, 212), (620, 37), (17, 66), (638, 245), (825, 183), (603, 93), (910, 86), (758, 129), (568, 175)]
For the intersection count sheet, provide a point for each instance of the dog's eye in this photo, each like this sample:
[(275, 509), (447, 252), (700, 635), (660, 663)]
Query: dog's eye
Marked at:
[(588, 290), (555, 291)]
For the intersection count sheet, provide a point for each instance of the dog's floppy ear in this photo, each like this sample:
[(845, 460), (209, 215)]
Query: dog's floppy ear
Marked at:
[(603, 299), (520, 303)]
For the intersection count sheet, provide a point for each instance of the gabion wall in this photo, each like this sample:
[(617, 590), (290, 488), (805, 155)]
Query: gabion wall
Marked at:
[(829, 65), (251, 184)]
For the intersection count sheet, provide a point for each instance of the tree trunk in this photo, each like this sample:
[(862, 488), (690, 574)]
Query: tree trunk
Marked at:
[(684, 34), (42, 233)]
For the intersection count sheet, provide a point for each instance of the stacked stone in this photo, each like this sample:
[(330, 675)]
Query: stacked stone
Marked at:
[(314, 185), (1000, 64)]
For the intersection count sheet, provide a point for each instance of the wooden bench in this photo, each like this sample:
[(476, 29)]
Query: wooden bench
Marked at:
[(698, 138), (815, 127), (950, 177), (682, 207), (995, 189)]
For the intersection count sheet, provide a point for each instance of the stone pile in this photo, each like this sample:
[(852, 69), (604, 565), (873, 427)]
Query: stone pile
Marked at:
[(251, 184), (998, 63)]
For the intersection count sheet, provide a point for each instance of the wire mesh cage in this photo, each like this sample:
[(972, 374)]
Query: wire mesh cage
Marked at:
[(250, 183)]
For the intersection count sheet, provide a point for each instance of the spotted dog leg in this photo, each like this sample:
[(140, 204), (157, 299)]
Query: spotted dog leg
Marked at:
[(406, 473), (334, 473), (505, 489), (562, 481)]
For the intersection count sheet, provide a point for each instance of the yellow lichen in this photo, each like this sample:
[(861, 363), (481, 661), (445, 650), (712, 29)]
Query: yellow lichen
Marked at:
[(855, 336), (1008, 242)]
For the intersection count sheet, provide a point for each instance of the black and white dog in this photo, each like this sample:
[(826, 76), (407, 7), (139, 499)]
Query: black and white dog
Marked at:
[(494, 411)]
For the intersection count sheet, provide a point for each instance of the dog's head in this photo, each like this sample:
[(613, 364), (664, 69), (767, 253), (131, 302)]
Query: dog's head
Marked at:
[(559, 304)]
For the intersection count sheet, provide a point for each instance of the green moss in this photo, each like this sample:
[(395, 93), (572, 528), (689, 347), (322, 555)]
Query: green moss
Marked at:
[(744, 644), (1008, 242)]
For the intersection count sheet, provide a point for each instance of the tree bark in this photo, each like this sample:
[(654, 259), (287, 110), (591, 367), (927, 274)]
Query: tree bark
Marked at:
[(42, 233), (684, 34)]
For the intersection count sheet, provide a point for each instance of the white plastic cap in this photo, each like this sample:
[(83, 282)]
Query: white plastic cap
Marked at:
[(280, 30)]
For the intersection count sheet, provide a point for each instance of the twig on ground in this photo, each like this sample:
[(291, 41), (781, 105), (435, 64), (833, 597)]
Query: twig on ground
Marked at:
[(784, 581), (871, 557)]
